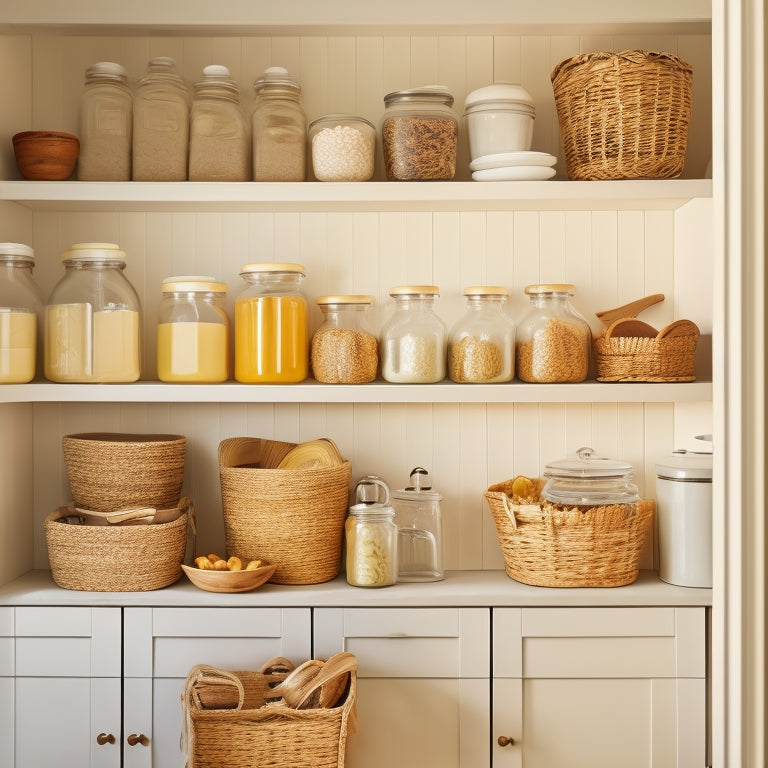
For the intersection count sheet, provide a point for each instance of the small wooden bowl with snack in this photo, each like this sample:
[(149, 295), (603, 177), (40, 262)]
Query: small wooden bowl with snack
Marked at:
[(217, 574)]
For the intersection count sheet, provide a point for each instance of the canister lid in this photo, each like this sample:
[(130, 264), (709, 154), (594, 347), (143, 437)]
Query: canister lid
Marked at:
[(338, 120), (540, 288), (501, 94), (276, 76), (420, 489), (193, 283), (486, 290), (110, 70), (94, 252), (276, 266), (685, 465), (16, 252), (438, 94), (344, 299), (412, 290)]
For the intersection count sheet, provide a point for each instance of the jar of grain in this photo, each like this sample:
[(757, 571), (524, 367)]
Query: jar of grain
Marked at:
[(219, 144), (193, 330), (106, 124), (481, 344), (344, 349), (343, 148), (553, 340), (92, 318), (160, 124), (271, 340), (413, 338), (279, 128), (419, 133), (20, 305)]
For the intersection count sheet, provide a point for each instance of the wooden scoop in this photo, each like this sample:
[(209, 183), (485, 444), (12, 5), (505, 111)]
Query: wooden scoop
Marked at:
[(630, 327), (630, 310), (135, 516), (679, 328)]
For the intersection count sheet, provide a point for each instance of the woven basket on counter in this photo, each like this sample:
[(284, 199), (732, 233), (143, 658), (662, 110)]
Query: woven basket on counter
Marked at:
[(623, 115), (293, 518), (548, 545)]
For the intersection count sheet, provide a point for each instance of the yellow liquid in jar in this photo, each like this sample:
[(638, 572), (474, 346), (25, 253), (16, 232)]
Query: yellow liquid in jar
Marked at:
[(271, 340), (18, 336), (192, 352)]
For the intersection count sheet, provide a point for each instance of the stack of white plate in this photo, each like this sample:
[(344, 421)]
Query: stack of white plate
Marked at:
[(513, 166)]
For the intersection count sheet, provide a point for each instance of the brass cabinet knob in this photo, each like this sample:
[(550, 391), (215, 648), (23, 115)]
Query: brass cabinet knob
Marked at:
[(105, 738), (133, 740), (505, 741)]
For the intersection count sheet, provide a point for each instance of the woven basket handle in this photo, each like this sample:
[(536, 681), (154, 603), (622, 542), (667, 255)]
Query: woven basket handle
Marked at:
[(298, 688), (510, 512), (633, 309), (203, 673)]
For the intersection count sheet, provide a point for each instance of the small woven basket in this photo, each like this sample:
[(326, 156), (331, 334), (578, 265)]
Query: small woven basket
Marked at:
[(623, 115), (115, 558), (108, 471), (293, 518), (547, 545)]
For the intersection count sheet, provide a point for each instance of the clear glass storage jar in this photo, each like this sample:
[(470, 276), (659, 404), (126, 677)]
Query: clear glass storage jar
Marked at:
[(553, 340), (160, 124), (279, 128), (20, 305), (344, 349), (271, 337), (92, 318), (419, 134), (106, 124), (219, 141), (343, 148), (193, 330), (481, 344), (412, 342)]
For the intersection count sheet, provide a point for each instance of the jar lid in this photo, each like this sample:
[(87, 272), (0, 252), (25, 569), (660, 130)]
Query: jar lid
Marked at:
[(338, 119), (541, 288), (486, 290), (107, 69), (437, 94), (410, 290), (193, 283), (501, 94), (421, 488), (94, 252), (16, 252), (344, 299), (276, 76), (371, 510), (685, 465)]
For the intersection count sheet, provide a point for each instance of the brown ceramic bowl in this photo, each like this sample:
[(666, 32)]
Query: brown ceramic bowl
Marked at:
[(46, 155)]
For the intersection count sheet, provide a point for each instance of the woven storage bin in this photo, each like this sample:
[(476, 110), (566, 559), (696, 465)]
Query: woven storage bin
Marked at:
[(547, 545), (293, 518), (115, 558), (623, 115), (111, 470), (234, 719)]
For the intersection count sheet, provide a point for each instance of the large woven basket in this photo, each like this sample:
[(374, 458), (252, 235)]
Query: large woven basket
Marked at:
[(293, 518), (623, 115), (547, 545), (115, 558), (108, 471)]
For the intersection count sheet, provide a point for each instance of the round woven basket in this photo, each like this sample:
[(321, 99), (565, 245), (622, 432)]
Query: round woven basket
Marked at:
[(623, 115), (293, 518), (115, 558), (627, 358), (108, 471)]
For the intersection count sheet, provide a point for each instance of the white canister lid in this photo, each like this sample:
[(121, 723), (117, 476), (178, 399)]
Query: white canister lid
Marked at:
[(501, 94), (686, 465)]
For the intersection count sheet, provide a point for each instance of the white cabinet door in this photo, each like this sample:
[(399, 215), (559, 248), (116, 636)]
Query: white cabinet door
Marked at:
[(601, 687), (6, 685), (66, 693), (423, 683), (163, 644)]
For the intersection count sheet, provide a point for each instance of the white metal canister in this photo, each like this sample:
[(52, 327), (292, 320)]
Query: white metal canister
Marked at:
[(684, 511)]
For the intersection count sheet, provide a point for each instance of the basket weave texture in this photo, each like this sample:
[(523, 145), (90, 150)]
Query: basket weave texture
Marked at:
[(115, 558), (623, 115), (293, 518), (547, 545)]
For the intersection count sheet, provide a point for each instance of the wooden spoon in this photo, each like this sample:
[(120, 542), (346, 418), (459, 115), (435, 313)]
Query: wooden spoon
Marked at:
[(631, 327), (679, 328), (632, 309)]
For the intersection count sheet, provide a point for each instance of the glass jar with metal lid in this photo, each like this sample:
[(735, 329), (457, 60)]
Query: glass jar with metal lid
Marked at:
[(271, 337), (481, 344), (219, 143), (343, 148), (92, 318), (419, 133), (20, 305), (279, 128), (553, 340), (412, 342), (344, 348), (193, 330)]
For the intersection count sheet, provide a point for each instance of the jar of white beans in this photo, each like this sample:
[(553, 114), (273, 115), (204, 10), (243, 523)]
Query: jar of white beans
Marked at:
[(343, 148)]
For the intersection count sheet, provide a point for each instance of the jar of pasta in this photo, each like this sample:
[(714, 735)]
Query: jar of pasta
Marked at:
[(271, 341), (553, 340), (92, 318), (193, 330)]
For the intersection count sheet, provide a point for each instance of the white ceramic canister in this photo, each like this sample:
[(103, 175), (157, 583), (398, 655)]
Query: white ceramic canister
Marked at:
[(684, 513), (500, 119)]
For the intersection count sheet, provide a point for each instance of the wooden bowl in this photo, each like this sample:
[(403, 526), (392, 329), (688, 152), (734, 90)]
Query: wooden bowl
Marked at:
[(46, 155), (228, 581)]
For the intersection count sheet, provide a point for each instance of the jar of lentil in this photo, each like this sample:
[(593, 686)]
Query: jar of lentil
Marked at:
[(419, 133), (271, 338), (193, 330), (91, 323), (160, 124), (413, 337), (20, 305), (279, 128), (219, 144), (481, 344), (344, 350), (343, 148), (553, 340), (106, 124)]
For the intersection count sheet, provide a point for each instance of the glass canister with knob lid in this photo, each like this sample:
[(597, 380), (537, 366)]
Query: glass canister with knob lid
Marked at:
[(553, 340)]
